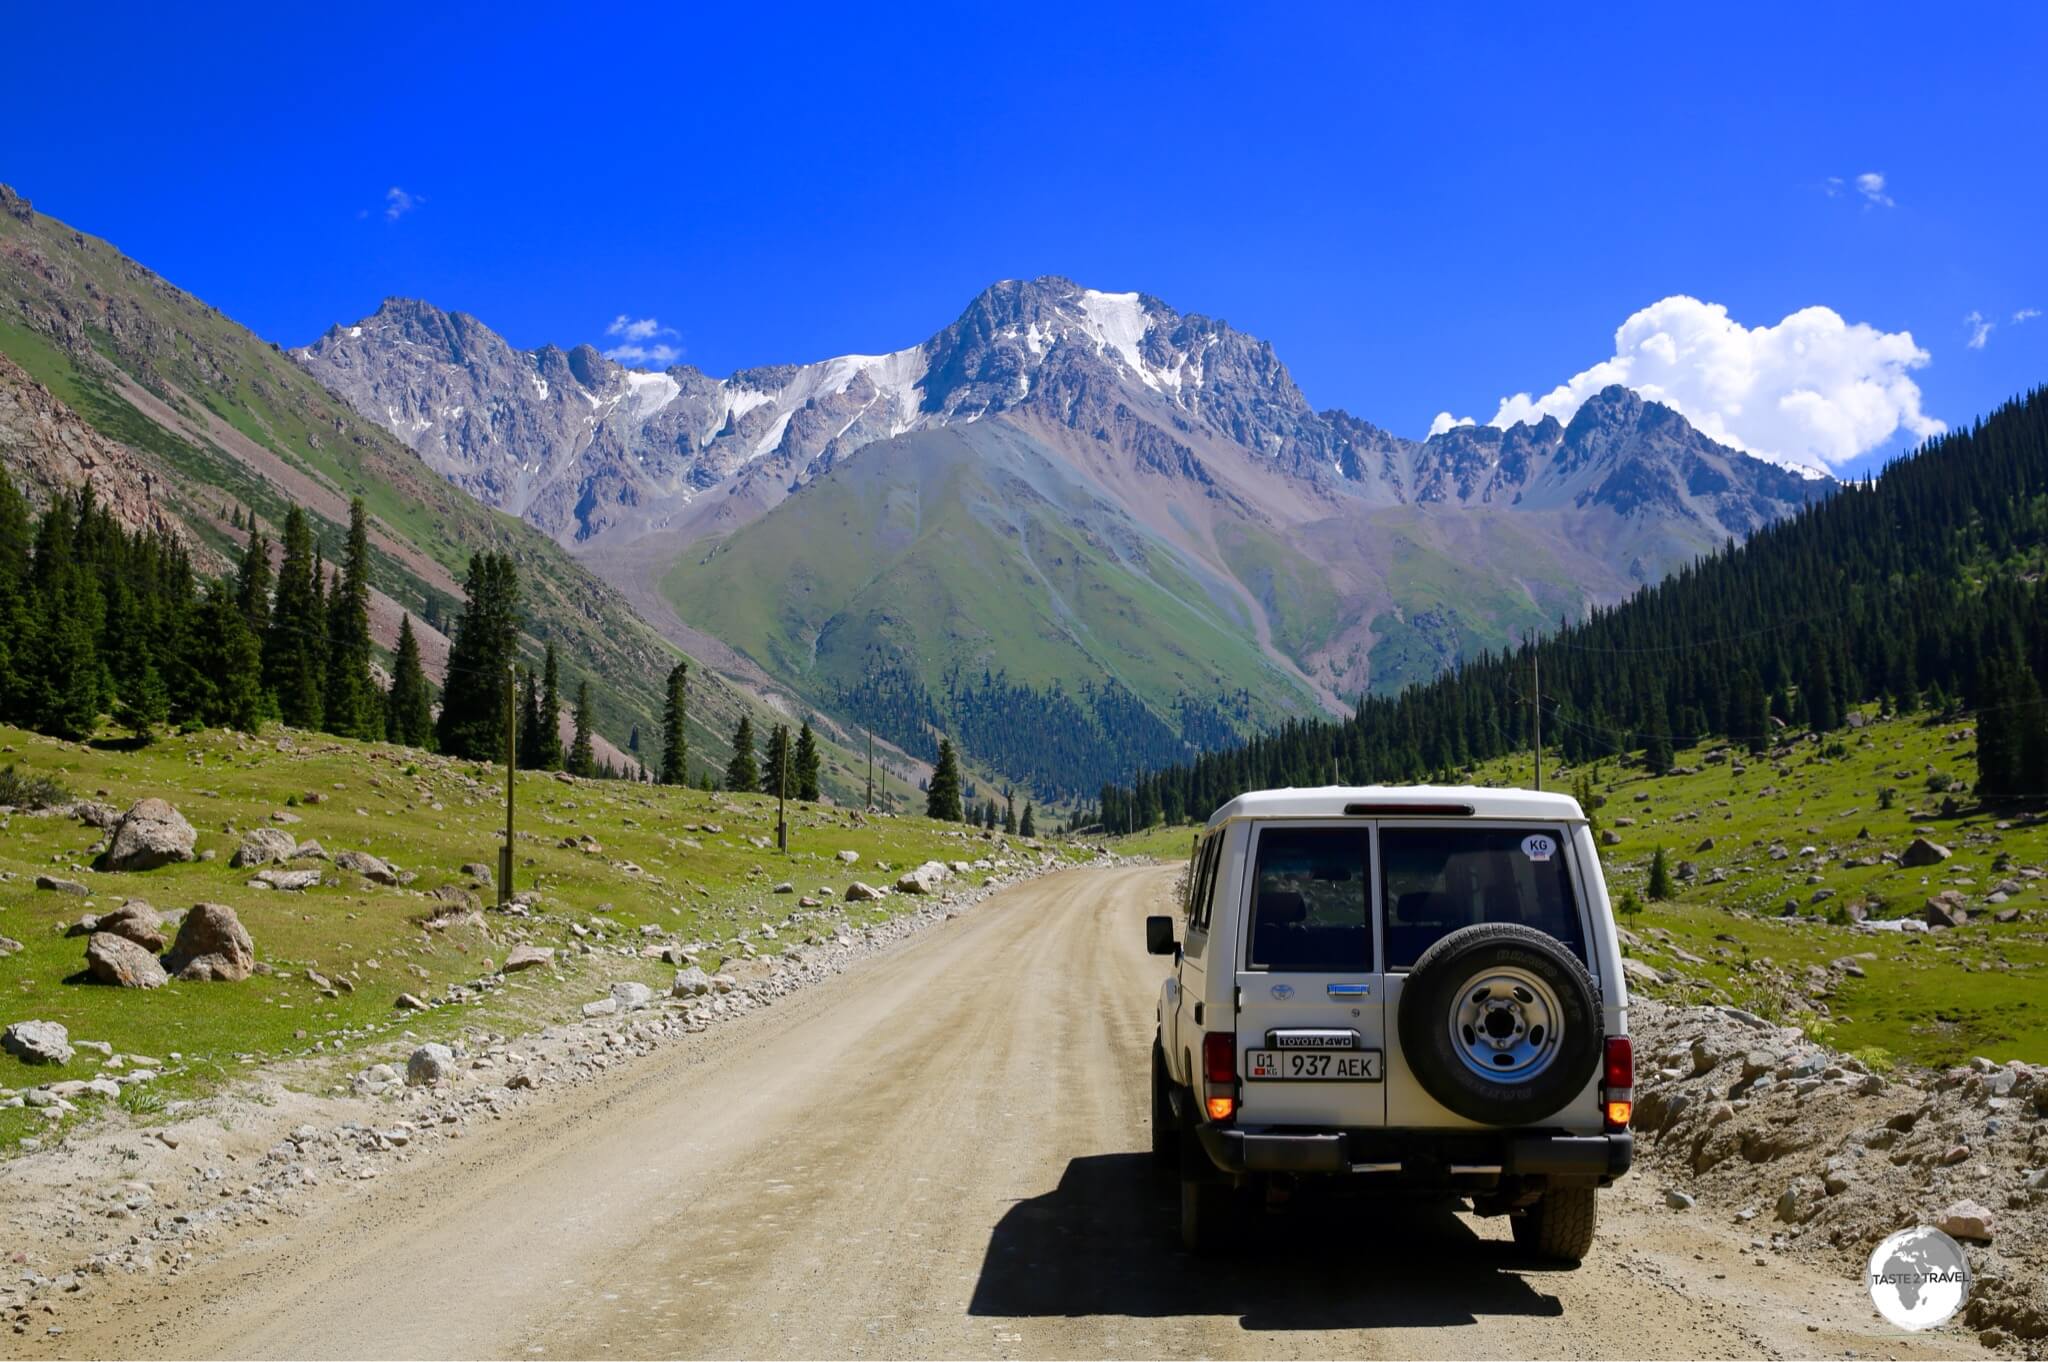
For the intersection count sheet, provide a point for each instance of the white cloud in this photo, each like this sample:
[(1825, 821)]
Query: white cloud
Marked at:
[(1980, 330), (1445, 421), (1870, 185), (657, 356), (2025, 314), (397, 203), (637, 333), (1813, 390)]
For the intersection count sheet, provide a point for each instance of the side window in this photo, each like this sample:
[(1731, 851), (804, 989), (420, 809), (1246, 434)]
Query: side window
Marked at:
[(1441, 879), (1201, 897), (1311, 901)]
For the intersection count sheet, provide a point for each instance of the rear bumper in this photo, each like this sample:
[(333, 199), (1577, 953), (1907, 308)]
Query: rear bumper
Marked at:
[(1421, 1157)]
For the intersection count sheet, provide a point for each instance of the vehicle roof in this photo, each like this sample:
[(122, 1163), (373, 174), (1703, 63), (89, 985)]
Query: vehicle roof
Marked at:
[(1329, 801)]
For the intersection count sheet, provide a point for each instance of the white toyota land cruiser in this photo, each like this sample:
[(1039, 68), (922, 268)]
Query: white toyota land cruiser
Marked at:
[(1412, 988)]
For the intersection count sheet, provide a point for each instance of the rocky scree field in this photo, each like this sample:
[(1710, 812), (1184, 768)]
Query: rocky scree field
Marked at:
[(361, 876)]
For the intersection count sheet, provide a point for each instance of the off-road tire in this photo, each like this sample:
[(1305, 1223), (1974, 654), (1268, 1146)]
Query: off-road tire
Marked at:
[(1433, 992), (1559, 1228), (1166, 1134), (1210, 1208)]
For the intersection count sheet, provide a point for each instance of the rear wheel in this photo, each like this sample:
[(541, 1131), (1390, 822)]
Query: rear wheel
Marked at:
[(1209, 1205), (1559, 1228), (1166, 1133)]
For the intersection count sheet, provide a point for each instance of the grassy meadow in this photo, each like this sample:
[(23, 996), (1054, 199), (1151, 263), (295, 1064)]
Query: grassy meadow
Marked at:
[(618, 867)]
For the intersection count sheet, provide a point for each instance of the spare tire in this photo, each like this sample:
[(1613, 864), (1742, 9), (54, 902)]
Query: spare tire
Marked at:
[(1500, 1024)]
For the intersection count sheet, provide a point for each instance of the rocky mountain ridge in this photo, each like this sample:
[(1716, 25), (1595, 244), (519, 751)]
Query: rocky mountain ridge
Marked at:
[(586, 448)]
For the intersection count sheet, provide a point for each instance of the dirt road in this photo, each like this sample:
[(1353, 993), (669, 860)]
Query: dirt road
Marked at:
[(936, 1154)]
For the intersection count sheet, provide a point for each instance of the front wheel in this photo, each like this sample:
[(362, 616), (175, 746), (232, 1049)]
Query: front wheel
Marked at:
[(1559, 1228), (1165, 1132)]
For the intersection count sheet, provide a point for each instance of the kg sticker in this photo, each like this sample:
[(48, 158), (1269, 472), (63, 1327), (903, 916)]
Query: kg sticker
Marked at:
[(1539, 847)]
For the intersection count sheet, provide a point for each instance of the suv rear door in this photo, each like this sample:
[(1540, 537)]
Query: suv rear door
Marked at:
[(1308, 976)]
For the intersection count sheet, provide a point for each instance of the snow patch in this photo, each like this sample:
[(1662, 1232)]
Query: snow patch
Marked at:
[(650, 392), (540, 386)]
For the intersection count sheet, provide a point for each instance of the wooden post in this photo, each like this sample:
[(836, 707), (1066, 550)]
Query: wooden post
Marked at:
[(511, 766)]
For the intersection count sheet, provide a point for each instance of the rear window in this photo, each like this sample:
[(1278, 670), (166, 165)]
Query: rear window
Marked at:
[(1311, 904), (1441, 879)]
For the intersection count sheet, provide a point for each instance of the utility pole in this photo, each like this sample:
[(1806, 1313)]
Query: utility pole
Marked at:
[(871, 770), (511, 765), (1536, 666), (781, 795)]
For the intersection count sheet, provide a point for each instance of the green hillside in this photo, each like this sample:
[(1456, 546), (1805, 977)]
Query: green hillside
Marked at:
[(228, 418), (965, 551)]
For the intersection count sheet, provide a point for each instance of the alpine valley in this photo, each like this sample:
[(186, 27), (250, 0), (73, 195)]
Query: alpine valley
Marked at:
[(1080, 532)]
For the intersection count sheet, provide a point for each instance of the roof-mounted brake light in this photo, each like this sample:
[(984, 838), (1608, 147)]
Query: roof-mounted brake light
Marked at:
[(1417, 809)]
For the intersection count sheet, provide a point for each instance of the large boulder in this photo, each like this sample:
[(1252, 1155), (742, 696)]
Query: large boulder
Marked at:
[(430, 1064), (264, 846), (137, 922), (116, 960), (276, 878), (150, 834), (212, 945), (1920, 853), (366, 865), (926, 879), (631, 997), (690, 983), (528, 957), (37, 1042), (861, 893), (1946, 910)]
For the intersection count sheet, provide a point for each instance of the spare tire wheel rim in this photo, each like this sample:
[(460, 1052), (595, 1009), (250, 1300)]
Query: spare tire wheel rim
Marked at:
[(1507, 1025)]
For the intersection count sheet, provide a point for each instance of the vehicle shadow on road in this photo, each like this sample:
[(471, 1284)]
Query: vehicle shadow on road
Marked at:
[(1106, 1242)]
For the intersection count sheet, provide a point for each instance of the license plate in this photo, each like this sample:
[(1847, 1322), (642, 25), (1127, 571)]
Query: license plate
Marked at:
[(1313, 1066)]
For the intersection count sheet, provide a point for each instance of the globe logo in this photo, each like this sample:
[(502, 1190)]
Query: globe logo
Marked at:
[(1919, 1278)]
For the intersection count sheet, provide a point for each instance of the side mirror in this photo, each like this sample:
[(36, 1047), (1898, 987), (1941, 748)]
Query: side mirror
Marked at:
[(1159, 935)]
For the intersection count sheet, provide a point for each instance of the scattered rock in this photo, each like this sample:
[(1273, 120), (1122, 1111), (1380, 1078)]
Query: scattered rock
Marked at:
[(136, 921), (477, 870), (1801, 1199), (264, 846), (152, 833), (850, 857), (925, 879), (37, 1042), (57, 886), (1920, 853), (366, 865), (690, 983), (212, 944), (408, 1003), (295, 880), (1679, 1201), (1965, 1219), (858, 892), (428, 1065), (116, 960), (528, 957), (631, 997), (1945, 910)]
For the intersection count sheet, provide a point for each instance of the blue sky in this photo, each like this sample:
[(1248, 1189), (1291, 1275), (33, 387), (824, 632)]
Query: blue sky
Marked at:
[(1424, 213)]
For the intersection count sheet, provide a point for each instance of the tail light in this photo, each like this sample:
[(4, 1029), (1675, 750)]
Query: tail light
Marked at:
[(1618, 1082), (1219, 1074)]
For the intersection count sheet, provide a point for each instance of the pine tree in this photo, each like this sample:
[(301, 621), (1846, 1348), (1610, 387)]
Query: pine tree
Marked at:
[(480, 660), (807, 764), (1009, 811), (1028, 825), (1656, 737), (548, 752), (942, 796), (743, 772), (675, 738), (1660, 878), (66, 677), (582, 753), (530, 739), (351, 698), (777, 764), (230, 659), (408, 709), (252, 584), (292, 645)]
